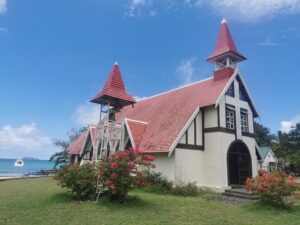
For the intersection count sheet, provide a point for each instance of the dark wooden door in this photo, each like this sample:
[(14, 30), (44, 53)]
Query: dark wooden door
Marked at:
[(239, 164)]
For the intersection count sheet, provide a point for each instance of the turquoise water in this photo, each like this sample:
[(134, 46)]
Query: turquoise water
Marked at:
[(7, 167)]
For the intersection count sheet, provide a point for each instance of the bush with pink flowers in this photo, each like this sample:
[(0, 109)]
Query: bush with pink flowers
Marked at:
[(275, 186), (80, 181), (123, 171)]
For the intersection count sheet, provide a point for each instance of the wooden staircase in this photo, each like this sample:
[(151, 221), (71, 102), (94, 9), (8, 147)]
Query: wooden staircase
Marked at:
[(240, 191)]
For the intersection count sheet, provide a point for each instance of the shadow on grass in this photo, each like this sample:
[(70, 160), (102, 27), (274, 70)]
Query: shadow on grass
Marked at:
[(131, 201), (58, 198), (261, 206)]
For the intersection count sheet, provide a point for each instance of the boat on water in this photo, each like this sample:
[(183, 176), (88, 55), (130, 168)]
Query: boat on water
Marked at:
[(19, 163)]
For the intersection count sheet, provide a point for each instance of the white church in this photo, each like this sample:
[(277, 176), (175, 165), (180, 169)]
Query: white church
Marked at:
[(202, 132)]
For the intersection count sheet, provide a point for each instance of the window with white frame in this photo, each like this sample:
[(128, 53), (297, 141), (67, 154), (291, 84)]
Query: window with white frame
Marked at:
[(230, 117), (244, 120)]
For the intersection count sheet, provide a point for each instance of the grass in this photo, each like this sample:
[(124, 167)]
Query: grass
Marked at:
[(41, 201)]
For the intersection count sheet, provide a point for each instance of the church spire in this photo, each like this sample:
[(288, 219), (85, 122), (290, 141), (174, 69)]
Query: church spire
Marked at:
[(114, 90), (225, 48)]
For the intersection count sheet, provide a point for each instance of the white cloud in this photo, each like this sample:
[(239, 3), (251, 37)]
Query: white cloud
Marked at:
[(255, 9), (135, 7), (86, 113), (26, 140), (2, 29), (3, 6), (243, 10), (139, 98), (186, 70), (269, 43), (287, 125)]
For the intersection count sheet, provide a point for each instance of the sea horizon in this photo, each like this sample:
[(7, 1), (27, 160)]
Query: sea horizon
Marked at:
[(31, 166)]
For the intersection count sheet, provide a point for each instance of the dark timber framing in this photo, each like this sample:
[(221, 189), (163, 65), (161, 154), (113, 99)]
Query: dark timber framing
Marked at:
[(203, 135), (219, 129), (247, 134), (193, 146), (218, 115)]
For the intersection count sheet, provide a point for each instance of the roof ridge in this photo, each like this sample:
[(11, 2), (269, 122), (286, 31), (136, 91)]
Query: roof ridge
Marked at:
[(176, 89)]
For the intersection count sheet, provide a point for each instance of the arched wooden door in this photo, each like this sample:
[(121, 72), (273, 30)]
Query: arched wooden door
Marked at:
[(238, 163)]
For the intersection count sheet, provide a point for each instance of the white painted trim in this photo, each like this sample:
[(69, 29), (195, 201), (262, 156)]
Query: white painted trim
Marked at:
[(136, 121), (176, 89), (86, 138), (226, 87), (129, 132), (90, 130), (182, 132)]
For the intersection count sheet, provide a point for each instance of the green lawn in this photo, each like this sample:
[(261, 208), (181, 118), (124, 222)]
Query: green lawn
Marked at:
[(41, 201)]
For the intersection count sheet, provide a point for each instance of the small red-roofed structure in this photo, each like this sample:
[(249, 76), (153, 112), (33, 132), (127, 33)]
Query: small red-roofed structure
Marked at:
[(114, 91), (225, 45)]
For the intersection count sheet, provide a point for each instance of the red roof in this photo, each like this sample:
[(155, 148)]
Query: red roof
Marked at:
[(114, 88), (76, 146), (137, 130), (166, 114), (225, 43)]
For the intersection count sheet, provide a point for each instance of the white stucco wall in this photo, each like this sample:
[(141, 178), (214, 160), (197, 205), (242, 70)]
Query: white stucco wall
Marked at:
[(215, 163), (188, 166), (211, 117), (165, 165), (250, 142)]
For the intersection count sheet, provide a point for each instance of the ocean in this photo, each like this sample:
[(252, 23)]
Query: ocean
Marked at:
[(7, 167)]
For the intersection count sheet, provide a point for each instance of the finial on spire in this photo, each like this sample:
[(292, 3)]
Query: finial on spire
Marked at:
[(225, 46), (116, 63), (224, 21)]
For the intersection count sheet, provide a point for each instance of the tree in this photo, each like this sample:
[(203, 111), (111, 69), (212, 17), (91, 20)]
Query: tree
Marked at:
[(263, 135), (288, 147), (62, 157)]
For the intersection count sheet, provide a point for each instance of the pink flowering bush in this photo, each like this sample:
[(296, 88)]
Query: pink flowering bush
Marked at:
[(275, 186), (123, 171), (80, 181)]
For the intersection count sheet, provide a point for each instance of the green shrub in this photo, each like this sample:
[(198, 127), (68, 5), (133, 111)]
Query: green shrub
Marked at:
[(80, 181), (157, 183), (189, 189)]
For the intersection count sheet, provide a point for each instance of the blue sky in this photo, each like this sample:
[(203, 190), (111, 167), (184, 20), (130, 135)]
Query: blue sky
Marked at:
[(55, 55)]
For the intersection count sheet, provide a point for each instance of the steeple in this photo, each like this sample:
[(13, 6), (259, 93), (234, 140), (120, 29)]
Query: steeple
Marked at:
[(114, 91), (226, 54)]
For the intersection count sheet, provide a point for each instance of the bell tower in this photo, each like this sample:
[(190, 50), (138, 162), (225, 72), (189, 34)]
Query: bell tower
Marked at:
[(112, 99), (226, 56)]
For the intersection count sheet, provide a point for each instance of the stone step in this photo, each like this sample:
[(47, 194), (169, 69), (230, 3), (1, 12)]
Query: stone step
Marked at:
[(237, 186), (240, 191), (241, 195)]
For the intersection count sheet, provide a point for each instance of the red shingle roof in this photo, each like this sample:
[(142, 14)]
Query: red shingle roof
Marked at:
[(137, 130), (225, 43), (167, 114), (114, 88), (76, 146)]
